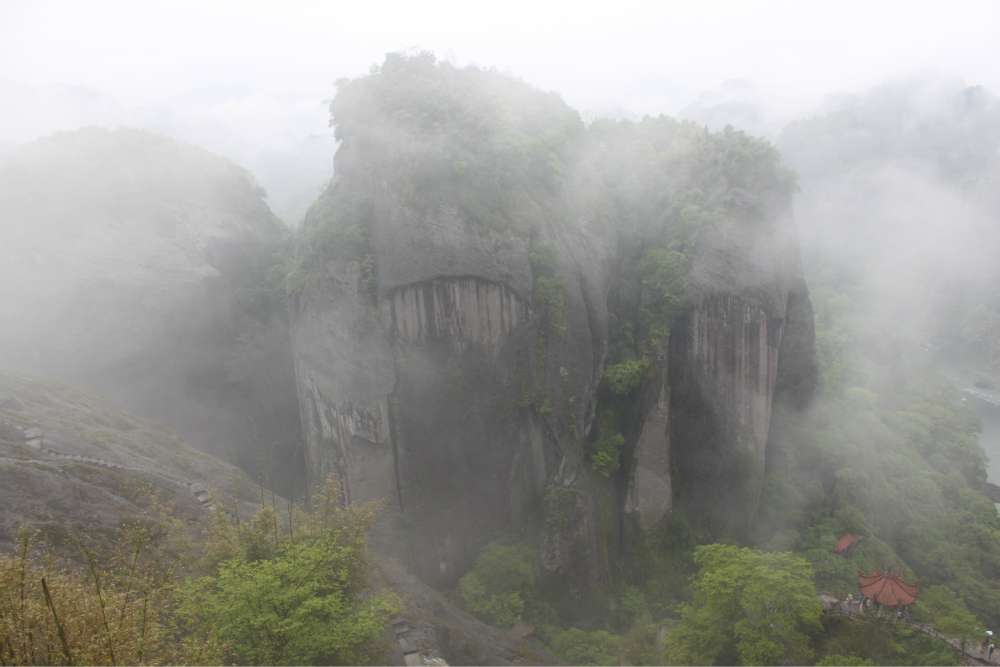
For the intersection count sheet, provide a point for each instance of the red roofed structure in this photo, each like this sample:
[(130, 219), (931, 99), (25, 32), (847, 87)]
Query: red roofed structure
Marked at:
[(887, 588), (846, 542)]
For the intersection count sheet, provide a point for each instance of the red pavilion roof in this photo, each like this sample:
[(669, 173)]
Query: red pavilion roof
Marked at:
[(846, 542), (887, 588)]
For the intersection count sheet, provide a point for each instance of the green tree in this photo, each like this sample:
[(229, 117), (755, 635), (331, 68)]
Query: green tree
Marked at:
[(587, 648), (837, 660), (496, 587), (748, 606), (297, 597), (949, 615)]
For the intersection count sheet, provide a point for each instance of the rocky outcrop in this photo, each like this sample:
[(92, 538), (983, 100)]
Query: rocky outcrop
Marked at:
[(452, 331), (448, 398), (725, 358), (650, 491), (429, 630), (73, 463), (128, 265)]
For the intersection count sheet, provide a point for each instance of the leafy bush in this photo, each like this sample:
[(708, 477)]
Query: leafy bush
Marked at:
[(496, 588), (627, 375), (577, 647), (543, 258), (606, 450), (560, 506), (110, 614), (837, 660), (295, 597), (549, 297), (606, 454)]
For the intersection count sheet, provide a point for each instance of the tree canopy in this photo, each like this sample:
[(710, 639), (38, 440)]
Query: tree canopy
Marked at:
[(748, 608)]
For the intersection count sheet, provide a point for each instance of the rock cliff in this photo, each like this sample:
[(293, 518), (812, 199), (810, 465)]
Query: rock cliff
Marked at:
[(73, 463), (129, 264), (504, 319), (426, 396), (750, 329)]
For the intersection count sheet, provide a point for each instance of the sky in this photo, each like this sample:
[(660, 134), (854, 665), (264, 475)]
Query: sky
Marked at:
[(249, 79)]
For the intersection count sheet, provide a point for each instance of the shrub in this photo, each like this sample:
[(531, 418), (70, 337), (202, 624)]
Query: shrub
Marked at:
[(495, 589), (294, 597), (100, 615), (560, 506), (627, 375)]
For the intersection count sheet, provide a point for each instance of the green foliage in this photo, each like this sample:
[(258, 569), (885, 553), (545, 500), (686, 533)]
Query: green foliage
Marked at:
[(747, 605), (626, 376), (837, 660), (561, 506), (543, 258), (886, 453), (948, 614), (633, 605), (982, 329), (881, 641), (276, 597), (606, 450), (502, 578), (606, 454), (577, 647), (483, 141), (664, 276), (549, 297)]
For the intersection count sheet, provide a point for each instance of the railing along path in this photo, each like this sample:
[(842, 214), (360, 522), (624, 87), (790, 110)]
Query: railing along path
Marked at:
[(977, 655)]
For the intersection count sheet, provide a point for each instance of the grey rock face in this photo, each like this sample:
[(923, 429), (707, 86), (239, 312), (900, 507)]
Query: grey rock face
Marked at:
[(428, 622), (448, 398), (126, 277), (93, 476), (452, 401), (413, 246), (650, 492), (344, 367), (724, 357)]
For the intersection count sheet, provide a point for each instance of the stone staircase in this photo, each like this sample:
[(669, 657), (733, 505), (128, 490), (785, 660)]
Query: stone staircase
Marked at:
[(53, 445)]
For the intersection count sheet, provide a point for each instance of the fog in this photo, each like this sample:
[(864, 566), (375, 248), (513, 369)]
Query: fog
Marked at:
[(249, 81), (253, 83), (157, 163)]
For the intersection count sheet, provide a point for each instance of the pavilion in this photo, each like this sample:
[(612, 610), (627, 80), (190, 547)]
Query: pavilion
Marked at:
[(887, 589)]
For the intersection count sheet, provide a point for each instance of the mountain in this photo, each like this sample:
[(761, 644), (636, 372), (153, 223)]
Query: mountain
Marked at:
[(502, 318), (131, 264)]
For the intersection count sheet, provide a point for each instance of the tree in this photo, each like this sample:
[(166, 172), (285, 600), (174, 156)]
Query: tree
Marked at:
[(587, 648), (293, 598), (493, 590), (749, 607), (949, 615)]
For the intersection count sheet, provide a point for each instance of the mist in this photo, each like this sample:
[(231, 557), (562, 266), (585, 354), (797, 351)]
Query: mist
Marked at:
[(578, 307)]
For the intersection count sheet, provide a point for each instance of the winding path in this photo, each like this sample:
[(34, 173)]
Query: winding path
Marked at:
[(968, 655), (35, 438)]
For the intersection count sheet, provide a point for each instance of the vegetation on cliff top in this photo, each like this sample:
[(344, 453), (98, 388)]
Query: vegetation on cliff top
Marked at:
[(508, 156)]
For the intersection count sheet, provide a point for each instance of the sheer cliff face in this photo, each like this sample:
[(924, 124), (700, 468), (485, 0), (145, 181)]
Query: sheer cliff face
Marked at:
[(750, 330), (428, 397), (452, 328), (420, 398)]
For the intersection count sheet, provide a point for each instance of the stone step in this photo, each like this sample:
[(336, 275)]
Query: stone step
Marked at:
[(408, 645)]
